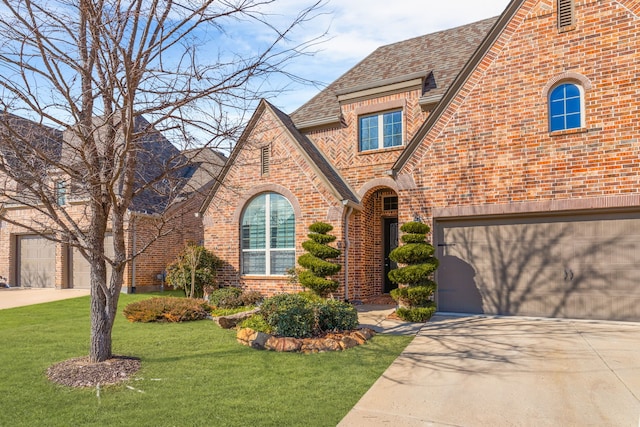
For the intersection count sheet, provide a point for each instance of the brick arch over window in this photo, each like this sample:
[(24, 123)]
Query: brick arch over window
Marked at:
[(266, 188), (569, 77)]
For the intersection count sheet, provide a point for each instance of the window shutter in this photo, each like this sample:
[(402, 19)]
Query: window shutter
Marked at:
[(264, 160), (565, 13)]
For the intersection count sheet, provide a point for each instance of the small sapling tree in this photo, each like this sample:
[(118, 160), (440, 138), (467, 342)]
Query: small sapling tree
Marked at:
[(317, 268), (195, 268), (415, 279)]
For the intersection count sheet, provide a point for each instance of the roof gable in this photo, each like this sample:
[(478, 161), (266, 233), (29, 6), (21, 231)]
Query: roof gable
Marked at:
[(320, 164)]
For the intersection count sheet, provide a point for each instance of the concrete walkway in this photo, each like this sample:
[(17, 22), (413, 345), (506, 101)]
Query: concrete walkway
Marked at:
[(505, 371), (375, 317), (18, 297)]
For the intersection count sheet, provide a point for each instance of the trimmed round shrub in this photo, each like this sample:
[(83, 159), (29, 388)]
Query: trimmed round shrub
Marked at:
[(228, 297), (412, 253), (415, 314), (336, 315), (415, 296), (167, 309), (315, 260)]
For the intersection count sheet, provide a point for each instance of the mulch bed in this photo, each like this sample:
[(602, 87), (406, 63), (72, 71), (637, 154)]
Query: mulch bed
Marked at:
[(79, 372)]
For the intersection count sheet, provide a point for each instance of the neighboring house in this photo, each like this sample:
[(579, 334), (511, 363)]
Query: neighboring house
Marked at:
[(162, 218), (516, 139)]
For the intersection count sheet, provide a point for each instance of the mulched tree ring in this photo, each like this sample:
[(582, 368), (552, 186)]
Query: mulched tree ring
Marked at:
[(79, 372)]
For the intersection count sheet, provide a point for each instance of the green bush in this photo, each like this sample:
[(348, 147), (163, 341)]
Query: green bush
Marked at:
[(336, 315), (305, 314), (289, 315), (415, 277), (416, 314), (415, 296), (315, 260), (199, 260), (166, 309), (251, 298), (257, 323), (228, 297)]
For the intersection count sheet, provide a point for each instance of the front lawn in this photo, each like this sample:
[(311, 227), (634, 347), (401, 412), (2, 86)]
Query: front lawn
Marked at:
[(193, 374)]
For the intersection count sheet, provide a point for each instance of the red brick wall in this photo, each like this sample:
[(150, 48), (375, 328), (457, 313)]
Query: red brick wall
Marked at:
[(167, 237), (493, 146), (292, 176)]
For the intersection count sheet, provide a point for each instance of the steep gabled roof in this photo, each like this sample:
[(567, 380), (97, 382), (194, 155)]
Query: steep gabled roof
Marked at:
[(441, 55), (327, 173), (325, 168), (495, 32)]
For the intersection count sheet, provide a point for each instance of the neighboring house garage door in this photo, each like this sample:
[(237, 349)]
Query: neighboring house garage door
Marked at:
[(81, 270), (36, 262), (580, 266)]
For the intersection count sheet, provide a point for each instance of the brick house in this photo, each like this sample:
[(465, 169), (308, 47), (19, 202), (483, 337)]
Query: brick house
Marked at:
[(515, 138), (160, 222)]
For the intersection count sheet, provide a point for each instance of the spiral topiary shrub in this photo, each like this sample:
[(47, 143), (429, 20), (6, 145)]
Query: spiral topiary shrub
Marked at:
[(317, 268), (415, 279)]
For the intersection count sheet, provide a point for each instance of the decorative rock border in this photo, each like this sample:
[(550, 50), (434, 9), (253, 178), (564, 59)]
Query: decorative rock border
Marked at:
[(333, 341)]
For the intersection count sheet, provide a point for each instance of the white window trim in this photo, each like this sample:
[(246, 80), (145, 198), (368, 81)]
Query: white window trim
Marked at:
[(380, 116), (267, 249)]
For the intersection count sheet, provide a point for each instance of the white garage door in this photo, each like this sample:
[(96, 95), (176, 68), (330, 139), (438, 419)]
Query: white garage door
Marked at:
[(575, 267), (81, 270), (36, 262)]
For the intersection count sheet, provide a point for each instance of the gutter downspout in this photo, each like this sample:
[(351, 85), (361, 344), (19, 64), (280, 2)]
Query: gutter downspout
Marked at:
[(347, 244)]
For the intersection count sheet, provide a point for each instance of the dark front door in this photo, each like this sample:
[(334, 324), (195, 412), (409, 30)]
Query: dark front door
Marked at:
[(390, 243)]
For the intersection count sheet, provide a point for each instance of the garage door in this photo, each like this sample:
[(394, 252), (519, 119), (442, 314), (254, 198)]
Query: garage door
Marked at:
[(575, 267), (81, 270), (36, 262)]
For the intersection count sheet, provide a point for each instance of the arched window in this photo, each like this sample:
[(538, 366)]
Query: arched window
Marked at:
[(566, 107), (268, 236)]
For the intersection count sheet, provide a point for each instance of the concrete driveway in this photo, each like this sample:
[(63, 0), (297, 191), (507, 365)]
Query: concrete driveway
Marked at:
[(18, 297), (504, 371)]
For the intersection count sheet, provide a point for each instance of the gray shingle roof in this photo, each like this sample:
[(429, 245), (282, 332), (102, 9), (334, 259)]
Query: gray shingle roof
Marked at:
[(443, 53)]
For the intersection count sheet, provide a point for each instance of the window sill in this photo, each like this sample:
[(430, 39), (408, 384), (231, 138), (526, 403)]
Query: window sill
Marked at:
[(568, 131), (265, 277), (382, 150)]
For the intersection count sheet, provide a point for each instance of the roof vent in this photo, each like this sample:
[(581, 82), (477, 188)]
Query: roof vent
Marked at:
[(264, 161), (566, 12)]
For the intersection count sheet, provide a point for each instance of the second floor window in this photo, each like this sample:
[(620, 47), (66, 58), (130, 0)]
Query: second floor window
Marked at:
[(565, 107), (61, 192), (383, 130)]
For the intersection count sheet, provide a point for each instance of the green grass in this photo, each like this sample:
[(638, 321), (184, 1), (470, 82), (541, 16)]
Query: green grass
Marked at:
[(193, 374)]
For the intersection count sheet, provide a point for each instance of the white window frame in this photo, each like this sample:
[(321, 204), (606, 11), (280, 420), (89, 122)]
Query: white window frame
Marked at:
[(267, 250), (380, 116)]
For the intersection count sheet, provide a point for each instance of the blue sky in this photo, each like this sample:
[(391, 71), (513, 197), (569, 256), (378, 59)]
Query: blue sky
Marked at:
[(357, 27)]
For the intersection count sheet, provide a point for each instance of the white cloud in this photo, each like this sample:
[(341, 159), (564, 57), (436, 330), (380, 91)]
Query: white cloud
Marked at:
[(357, 27)]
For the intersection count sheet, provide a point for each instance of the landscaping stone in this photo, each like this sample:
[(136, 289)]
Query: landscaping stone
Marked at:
[(284, 344), (232, 320), (334, 341), (251, 338)]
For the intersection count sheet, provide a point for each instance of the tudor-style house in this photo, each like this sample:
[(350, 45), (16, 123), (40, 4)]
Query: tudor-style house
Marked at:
[(160, 222), (514, 138)]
